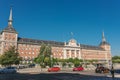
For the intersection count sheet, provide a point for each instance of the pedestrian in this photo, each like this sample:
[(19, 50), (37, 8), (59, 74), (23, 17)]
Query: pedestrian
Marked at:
[(112, 71)]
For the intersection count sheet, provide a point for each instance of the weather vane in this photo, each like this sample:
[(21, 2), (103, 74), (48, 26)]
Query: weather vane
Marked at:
[(71, 34)]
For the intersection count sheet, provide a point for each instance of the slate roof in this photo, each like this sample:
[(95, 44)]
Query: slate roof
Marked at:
[(91, 47), (39, 42), (54, 43), (9, 29), (104, 43)]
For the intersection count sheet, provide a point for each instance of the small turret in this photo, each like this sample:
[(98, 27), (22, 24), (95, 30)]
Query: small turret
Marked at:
[(104, 44)]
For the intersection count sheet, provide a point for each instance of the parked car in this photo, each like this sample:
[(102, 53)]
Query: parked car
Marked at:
[(31, 65), (80, 68), (53, 69), (102, 70), (8, 70), (22, 66), (0, 70)]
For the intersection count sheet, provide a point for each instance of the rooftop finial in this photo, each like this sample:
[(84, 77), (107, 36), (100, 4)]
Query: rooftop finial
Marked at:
[(10, 18)]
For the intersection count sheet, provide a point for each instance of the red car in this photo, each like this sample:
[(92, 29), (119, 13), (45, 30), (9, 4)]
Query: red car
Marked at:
[(78, 68), (53, 69)]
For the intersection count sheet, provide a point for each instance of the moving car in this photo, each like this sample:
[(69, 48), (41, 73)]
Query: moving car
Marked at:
[(80, 68), (8, 70), (102, 70), (53, 69)]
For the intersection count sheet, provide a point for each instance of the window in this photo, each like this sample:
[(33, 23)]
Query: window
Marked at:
[(72, 51), (32, 52), (13, 38), (67, 51), (25, 57), (24, 45)]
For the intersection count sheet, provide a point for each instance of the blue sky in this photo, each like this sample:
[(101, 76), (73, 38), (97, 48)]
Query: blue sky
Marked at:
[(56, 19)]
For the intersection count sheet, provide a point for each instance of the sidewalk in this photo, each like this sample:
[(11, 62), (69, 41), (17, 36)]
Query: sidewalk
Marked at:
[(30, 70), (116, 75)]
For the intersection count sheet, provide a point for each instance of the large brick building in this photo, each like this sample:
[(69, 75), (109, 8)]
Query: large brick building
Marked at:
[(29, 48)]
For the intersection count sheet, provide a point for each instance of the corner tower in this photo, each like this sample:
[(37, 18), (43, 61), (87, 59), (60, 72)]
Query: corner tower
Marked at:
[(106, 46), (9, 35)]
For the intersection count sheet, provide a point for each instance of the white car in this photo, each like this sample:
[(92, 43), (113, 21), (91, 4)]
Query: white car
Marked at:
[(8, 70)]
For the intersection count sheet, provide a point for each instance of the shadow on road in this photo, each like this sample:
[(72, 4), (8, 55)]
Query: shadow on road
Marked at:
[(52, 76)]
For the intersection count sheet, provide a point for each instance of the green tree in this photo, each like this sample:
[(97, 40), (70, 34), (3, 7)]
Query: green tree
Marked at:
[(48, 56), (40, 58), (116, 59), (42, 50), (76, 62), (92, 61), (71, 60), (44, 55), (47, 61), (11, 56), (55, 61)]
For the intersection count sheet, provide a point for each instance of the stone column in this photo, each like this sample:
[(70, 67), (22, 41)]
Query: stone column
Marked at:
[(70, 53), (64, 53), (75, 53), (79, 54)]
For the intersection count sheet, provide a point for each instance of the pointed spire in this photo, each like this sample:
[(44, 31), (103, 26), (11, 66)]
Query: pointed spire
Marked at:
[(10, 18), (10, 27), (103, 37), (104, 42)]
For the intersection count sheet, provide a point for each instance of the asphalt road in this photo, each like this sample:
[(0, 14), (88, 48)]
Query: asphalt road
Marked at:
[(56, 76)]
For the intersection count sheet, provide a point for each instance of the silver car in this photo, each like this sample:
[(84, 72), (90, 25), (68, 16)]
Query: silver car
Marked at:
[(8, 70)]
